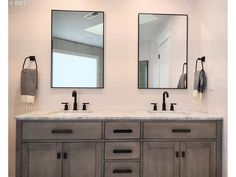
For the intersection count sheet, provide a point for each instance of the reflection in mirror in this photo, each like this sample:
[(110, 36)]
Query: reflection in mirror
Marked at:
[(162, 51), (77, 49)]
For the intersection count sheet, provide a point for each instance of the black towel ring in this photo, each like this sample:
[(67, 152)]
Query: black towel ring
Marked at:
[(32, 58), (183, 67), (202, 59)]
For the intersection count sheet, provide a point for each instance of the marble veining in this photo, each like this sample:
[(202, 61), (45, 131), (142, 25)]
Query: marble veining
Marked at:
[(115, 115)]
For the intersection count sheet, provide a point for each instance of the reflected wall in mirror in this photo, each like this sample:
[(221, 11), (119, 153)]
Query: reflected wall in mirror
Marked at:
[(77, 55), (163, 50)]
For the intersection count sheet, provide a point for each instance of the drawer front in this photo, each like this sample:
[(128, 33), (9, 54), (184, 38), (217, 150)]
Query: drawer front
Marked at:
[(122, 169), (61, 130), (122, 150), (122, 130), (179, 130)]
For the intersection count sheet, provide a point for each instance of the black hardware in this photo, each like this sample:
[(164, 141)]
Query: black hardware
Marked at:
[(183, 154), (84, 106), (65, 155), (154, 106), (122, 131), (122, 151), (172, 108), (58, 155), (202, 59), (122, 171), (177, 154), (74, 94), (181, 130), (159, 56), (164, 100), (32, 58), (62, 131), (66, 105)]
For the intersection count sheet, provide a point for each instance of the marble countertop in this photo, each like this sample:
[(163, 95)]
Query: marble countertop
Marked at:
[(115, 115)]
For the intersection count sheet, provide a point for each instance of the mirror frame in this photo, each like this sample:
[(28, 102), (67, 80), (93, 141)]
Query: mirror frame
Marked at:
[(51, 81), (186, 15)]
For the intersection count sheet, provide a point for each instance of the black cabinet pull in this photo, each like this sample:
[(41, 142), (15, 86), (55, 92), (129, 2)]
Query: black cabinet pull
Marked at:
[(181, 130), (122, 171), (122, 131), (183, 154), (122, 151), (177, 154), (65, 155), (62, 131), (58, 155)]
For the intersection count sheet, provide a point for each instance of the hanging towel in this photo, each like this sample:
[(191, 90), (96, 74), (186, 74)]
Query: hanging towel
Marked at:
[(182, 81), (200, 82), (28, 86), (29, 83)]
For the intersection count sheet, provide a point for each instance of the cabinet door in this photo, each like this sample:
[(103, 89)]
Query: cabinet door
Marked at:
[(161, 159), (197, 159), (82, 160), (41, 160)]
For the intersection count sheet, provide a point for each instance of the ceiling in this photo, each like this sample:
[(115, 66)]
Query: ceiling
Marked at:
[(149, 25), (71, 25)]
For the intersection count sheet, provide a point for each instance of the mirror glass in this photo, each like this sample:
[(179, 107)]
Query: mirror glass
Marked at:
[(163, 49), (77, 55)]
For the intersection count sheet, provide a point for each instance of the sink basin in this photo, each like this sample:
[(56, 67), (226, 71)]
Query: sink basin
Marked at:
[(71, 113), (168, 112)]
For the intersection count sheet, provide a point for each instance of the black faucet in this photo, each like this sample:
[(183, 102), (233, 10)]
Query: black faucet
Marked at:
[(74, 94), (164, 100)]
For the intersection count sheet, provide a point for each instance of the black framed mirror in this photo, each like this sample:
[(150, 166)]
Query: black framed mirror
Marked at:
[(77, 49), (163, 44)]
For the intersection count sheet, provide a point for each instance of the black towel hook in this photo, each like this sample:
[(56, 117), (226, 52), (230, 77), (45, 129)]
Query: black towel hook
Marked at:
[(202, 59), (32, 58)]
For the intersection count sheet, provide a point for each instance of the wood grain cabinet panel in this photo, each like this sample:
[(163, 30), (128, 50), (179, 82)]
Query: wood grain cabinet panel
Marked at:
[(41, 160), (159, 159)]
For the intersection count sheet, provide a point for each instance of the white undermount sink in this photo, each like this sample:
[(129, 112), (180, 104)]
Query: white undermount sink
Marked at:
[(168, 112), (71, 113)]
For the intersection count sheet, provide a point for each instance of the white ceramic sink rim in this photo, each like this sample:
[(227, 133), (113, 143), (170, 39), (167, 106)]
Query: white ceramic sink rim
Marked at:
[(71, 112), (168, 112)]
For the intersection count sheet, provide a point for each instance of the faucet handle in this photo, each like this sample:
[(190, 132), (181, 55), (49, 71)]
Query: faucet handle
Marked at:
[(172, 108), (66, 105), (154, 106), (84, 106)]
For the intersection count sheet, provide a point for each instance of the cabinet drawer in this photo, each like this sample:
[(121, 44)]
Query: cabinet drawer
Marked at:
[(122, 169), (179, 130), (61, 130), (122, 150), (122, 130)]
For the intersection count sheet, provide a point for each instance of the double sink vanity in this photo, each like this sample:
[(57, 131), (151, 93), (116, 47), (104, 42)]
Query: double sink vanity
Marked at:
[(82, 143), (118, 144)]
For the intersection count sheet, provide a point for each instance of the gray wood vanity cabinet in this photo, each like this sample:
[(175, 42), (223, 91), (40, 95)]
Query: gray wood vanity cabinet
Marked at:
[(119, 148)]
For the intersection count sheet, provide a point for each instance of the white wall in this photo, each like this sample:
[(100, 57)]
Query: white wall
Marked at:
[(29, 34), (211, 24)]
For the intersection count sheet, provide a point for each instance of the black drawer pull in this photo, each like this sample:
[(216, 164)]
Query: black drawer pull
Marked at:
[(122, 131), (183, 154), (122, 151), (122, 171), (65, 155), (177, 154), (181, 130), (62, 131), (58, 155)]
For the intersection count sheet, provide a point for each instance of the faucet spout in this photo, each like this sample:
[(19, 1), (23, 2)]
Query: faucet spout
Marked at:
[(165, 94), (74, 94)]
